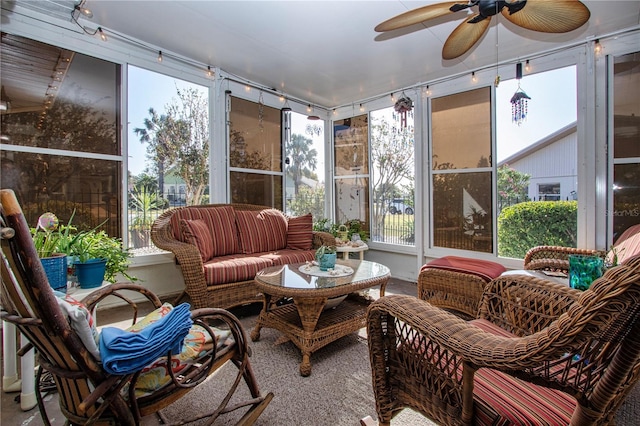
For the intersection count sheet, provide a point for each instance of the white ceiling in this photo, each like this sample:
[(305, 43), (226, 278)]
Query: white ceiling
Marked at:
[(326, 52)]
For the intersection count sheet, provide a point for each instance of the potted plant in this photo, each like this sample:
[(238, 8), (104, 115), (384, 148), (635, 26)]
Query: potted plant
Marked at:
[(326, 257), (53, 243), (99, 258), (143, 202)]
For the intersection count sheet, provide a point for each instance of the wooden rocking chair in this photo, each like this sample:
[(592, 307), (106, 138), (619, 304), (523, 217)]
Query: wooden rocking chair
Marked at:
[(87, 393)]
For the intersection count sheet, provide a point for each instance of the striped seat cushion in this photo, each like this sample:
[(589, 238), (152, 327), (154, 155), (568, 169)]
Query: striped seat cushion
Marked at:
[(282, 257), (262, 231), (221, 223), (233, 268), (501, 399)]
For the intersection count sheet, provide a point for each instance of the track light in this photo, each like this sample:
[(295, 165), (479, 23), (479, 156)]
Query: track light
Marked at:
[(159, 55)]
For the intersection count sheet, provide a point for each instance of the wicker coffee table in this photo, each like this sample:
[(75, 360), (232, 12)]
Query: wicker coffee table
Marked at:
[(312, 321)]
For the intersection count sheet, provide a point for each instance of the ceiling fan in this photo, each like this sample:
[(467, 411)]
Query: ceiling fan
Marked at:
[(548, 16)]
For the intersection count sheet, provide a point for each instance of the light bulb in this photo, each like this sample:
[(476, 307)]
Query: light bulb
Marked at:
[(84, 11), (361, 108), (428, 92), (209, 72), (473, 77), (597, 48), (103, 36), (309, 108), (159, 55), (527, 67)]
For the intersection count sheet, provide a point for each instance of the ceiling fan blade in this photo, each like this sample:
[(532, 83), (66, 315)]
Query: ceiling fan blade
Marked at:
[(464, 37), (416, 16), (550, 16)]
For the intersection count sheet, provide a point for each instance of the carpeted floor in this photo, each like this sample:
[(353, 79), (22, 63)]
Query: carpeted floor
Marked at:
[(338, 391)]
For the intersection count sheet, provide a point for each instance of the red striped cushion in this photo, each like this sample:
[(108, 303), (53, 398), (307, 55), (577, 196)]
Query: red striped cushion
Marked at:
[(300, 232), (233, 268), (484, 269), (504, 400), (197, 232), (282, 257), (220, 221), (262, 231)]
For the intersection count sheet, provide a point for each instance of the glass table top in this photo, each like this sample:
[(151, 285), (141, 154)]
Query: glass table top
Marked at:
[(290, 276)]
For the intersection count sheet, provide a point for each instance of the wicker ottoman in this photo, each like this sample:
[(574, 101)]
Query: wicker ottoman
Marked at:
[(456, 283)]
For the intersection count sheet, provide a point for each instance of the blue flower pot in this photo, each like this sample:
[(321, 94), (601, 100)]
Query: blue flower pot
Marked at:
[(90, 274), (56, 269), (327, 261)]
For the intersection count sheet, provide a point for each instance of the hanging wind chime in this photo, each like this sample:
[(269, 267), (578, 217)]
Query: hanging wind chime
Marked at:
[(402, 107), (519, 100)]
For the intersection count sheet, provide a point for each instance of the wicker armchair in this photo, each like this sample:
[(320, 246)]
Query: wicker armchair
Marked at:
[(554, 258), (189, 260), (87, 393), (538, 353)]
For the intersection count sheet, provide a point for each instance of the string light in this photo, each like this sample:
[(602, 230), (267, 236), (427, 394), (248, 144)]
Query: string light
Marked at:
[(84, 11), (428, 92), (393, 98), (209, 72), (361, 108), (103, 36), (473, 77), (159, 55), (597, 48), (309, 108), (527, 67)]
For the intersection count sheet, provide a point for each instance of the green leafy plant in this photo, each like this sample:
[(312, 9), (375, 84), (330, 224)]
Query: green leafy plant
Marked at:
[(99, 245), (49, 237), (322, 250)]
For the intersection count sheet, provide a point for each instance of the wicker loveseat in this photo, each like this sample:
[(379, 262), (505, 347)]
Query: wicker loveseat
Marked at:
[(221, 247)]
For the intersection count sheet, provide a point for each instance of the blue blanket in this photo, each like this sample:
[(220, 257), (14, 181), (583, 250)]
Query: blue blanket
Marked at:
[(124, 352)]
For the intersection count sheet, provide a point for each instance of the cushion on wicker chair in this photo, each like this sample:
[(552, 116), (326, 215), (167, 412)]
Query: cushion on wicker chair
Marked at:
[(261, 231), (221, 224), (504, 400), (300, 232), (484, 269), (196, 232)]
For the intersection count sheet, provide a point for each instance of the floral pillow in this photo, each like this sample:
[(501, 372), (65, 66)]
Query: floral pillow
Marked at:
[(81, 322)]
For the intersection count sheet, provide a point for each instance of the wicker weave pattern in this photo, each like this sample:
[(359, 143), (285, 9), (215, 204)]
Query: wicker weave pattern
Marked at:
[(585, 344), (190, 262), (553, 258)]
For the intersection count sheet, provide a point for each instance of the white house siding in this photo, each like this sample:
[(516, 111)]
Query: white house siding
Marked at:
[(552, 163)]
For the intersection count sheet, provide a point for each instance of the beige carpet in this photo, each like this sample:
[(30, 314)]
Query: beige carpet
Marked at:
[(338, 392)]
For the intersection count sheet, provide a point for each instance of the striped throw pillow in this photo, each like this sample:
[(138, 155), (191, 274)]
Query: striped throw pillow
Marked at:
[(300, 232), (261, 231), (197, 233)]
